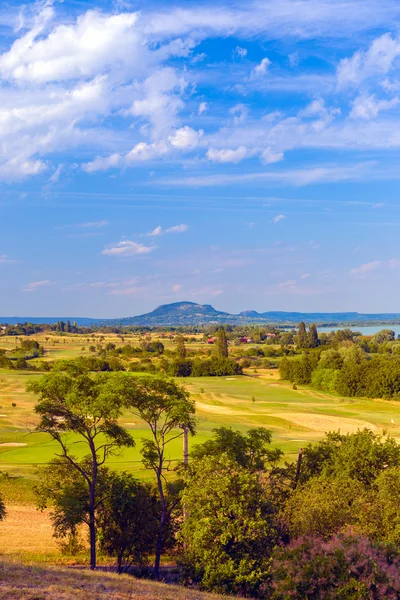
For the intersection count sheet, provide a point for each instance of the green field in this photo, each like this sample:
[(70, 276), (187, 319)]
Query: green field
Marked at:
[(295, 417)]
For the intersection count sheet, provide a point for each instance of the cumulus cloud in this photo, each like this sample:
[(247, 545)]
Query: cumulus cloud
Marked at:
[(262, 68), (127, 248), (227, 155), (34, 285), (185, 137)]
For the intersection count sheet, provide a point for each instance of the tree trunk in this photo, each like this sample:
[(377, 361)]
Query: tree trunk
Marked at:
[(159, 548), (92, 529), (163, 518)]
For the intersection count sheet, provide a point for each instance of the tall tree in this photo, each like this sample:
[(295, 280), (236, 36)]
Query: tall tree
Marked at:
[(167, 410), (222, 344), (302, 337), (74, 402), (313, 340), (68, 326), (180, 348)]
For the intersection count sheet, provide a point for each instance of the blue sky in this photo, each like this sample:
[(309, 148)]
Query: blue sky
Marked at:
[(242, 154)]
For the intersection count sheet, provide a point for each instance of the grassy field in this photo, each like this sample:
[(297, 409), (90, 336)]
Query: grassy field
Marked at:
[(296, 417), (31, 582)]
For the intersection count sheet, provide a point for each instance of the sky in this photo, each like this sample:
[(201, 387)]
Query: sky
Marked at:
[(244, 155)]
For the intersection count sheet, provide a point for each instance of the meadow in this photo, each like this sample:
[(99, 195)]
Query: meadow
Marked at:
[(295, 417)]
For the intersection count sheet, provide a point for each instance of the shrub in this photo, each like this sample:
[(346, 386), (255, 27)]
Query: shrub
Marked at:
[(346, 567)]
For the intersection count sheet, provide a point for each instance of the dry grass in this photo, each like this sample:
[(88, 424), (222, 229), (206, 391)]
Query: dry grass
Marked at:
[(29, 582), (326, 423), (26, 531)]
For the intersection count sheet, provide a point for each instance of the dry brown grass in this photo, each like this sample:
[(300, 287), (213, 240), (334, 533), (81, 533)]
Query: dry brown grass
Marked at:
[(30, 582), (26, 531)]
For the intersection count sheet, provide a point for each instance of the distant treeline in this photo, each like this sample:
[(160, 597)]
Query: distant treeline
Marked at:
[(347, 364)]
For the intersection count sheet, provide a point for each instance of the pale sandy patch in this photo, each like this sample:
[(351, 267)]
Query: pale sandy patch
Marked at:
[(219, 410), (326, 423), (12, 444)]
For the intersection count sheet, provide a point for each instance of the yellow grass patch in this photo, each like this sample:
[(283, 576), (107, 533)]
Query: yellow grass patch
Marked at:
[(326, 423), (26, 531)]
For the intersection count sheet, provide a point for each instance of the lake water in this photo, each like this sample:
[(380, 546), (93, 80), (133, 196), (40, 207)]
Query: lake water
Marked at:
[(363, 330)]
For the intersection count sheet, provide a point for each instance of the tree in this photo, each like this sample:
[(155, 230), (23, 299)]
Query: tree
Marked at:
[(249, 450), (302, 336), (74, 402), (167, 410), (221, 347), (228, 533), (313, 340), (68, 326), (322, 506), (127, 521), (180, 348)]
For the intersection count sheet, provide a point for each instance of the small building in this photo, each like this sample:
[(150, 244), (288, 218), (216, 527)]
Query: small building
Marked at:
[(211, 340)]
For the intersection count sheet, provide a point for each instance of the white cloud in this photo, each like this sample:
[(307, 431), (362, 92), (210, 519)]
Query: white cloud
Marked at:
[(93, 224), (240, 52), (161, 100), (227, 155), (156, 231), (299, 177), (127, 248), (366, 268), (177, 228), (203, 107), (278, 218), (174, 229), (32, 287), (378, 60), (262, 68), (240, 113), (185, 137), (96, 41), (368, 107), (269, 157)]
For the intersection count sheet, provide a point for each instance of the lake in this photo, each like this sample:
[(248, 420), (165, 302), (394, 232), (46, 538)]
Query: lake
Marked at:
[(368, 330)]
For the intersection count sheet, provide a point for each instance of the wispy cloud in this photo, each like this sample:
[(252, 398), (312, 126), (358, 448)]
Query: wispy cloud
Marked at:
[(4, 259), (174, 229), (35, 285), (278, 218), (93, 224), (128, 248)]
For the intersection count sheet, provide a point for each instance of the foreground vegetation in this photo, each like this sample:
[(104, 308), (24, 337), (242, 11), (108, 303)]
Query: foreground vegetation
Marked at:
[(257, 512)]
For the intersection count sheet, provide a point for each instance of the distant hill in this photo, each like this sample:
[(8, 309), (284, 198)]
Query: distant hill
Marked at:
[(189, 313)]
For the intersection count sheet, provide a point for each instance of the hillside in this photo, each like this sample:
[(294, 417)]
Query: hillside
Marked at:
[(31, 582), (179, 314)]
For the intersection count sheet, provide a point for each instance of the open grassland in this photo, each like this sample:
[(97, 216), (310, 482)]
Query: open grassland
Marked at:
[(28, 582)]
